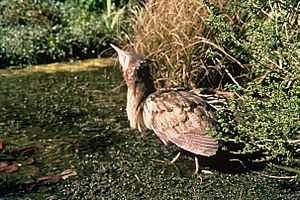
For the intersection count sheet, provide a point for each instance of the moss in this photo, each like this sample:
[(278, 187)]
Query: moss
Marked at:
[(80, 118)]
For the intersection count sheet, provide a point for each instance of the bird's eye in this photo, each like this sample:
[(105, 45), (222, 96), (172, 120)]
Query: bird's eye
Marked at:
[(142, 61)]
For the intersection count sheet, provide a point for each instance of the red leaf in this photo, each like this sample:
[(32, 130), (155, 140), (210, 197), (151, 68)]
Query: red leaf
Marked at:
[(3, 166), (49, 179), (1, 144), (33, 172), (28, 161), (28, 149), (11, 168), (44, 178), (77, 145)]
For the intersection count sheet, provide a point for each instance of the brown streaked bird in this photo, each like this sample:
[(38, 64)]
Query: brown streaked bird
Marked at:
[(175, 114)]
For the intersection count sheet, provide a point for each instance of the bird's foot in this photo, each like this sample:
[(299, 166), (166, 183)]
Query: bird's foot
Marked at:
[(204, 171), (197, 168), (168, 161), (175, 158)]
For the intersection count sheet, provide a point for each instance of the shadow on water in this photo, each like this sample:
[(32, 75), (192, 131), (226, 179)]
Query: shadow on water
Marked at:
[(65, 136), (224, 162), (233, 163)]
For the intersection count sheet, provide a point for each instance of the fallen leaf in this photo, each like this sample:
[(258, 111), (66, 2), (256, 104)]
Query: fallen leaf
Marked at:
[(43, 178), (68, 173), (28, 149), (3, 166), (49, 179), (11, 168), (28, 161), (77, 145), (33, 172)]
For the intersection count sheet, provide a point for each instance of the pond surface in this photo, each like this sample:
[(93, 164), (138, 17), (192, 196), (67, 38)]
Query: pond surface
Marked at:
[(64, 135)]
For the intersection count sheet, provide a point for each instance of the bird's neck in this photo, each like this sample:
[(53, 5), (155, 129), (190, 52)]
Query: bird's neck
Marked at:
[(137, 92)]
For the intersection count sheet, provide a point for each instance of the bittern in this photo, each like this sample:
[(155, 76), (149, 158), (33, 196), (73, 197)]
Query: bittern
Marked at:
[(175, 114)]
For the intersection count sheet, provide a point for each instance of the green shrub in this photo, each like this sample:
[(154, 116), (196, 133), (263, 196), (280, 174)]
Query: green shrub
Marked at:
[(266, 112), (43, 31)]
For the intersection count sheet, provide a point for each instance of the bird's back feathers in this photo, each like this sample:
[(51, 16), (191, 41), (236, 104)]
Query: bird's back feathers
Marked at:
[(181, 117)]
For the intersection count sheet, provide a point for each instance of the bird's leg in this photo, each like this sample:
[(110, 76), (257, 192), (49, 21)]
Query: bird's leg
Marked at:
[(169, 161), (196, 165), (175, 158)]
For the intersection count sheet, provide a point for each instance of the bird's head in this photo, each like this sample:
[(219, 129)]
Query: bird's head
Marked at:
[(133, 66)]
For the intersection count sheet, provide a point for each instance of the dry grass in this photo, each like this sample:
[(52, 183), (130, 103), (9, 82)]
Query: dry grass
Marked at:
[(173, 34)]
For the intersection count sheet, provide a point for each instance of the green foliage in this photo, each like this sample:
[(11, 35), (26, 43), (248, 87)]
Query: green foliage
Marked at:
[(43, 31), (267, 118), (265, 36)]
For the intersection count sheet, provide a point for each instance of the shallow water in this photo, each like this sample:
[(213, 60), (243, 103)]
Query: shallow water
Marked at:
[(74, 122)]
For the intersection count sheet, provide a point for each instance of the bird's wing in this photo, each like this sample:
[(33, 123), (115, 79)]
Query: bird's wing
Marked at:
[(182, 118)]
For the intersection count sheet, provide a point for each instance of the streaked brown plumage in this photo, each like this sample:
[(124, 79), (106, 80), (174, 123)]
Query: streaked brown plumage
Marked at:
[(175, 114)]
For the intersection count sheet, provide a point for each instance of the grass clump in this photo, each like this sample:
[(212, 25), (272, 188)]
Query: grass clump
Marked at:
[(248, 48), (175, 34)]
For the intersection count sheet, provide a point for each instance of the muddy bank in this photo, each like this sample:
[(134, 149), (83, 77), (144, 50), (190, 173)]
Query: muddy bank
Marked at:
[(51, 122)]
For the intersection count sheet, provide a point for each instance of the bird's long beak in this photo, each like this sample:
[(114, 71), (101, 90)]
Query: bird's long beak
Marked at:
[(116, 48), (120, 52), (122, 57)]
